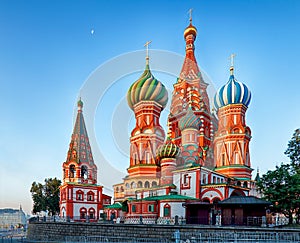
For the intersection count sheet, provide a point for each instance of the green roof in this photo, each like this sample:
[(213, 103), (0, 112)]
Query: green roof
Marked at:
[(114, 206), (169, 197), (244, 200)]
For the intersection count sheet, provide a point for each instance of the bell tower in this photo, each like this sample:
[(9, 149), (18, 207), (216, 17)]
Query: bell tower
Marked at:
[(80, 196)]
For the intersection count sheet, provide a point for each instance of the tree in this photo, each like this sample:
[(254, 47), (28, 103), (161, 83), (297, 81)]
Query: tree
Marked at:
[(37, 193), (293, 150), (281, 187), (46, 197)]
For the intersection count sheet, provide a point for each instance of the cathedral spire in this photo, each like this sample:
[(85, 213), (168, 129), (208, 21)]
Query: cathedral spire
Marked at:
[(190, 69), (80, 164)]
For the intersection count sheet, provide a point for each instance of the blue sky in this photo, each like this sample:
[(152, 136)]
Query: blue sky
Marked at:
[(48, 53)]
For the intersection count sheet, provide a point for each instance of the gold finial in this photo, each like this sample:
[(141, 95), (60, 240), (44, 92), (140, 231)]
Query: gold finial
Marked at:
[(190, 13), (232, 56), (147, 51)]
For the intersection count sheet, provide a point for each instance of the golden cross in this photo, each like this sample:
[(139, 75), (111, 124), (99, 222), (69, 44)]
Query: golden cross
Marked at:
[(190, 13), (232, 56), (147, 48)]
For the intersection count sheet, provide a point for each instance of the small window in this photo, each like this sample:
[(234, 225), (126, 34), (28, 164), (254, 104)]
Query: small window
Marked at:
[(133, 208), (92, 213), (147, 184), (133, 184), (90, 196), (72, 171), (82, 213), (140, 184), (167, 210), (151, 208), (79, 195)]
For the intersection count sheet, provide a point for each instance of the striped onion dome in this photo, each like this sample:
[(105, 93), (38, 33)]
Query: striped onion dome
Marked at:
[(147, 88), (167, 150), (233, 92), (189, 120)]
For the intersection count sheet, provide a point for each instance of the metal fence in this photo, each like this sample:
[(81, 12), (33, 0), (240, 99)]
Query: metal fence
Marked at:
[(246, 221), (179, 237), (239, 237)]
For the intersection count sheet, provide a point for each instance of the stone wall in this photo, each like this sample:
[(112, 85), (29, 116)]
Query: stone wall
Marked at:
[(60, 231)]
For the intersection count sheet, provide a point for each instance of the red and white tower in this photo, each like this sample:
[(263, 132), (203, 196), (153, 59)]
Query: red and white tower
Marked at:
[(80, 196), (147, 97), (233, 135), (190, 90)]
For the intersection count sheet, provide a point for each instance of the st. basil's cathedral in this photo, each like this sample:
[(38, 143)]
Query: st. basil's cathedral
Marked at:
[(201, 160)]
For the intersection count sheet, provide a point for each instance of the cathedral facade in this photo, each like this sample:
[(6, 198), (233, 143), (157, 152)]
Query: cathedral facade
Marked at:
[(204, 156)]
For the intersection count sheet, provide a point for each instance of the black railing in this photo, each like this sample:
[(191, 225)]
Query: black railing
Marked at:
[(215, 220)]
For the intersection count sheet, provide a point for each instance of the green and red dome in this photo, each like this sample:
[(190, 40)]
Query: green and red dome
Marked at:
[(147, 88), (167, 150)]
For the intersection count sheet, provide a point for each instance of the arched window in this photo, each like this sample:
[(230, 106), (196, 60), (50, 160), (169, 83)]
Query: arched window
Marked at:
[(147, 184), (245, 184), (122, 189), (90, 196), (133, 185), (79, 195), (140, 184), (72, 171), (82, 213), (74, 154), (238, 183), (154, 183), (84, 172), (117, 189), (167, 210), (92, 213), (127, 186)]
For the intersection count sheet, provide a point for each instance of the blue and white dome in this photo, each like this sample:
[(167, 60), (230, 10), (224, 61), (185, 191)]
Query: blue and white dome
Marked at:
[(233, 92)]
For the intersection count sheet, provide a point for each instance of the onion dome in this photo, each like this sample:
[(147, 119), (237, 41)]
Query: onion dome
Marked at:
[(167, 150), (147, 88), (190, 120), (80, 103), (190, 30), (233, 92)]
